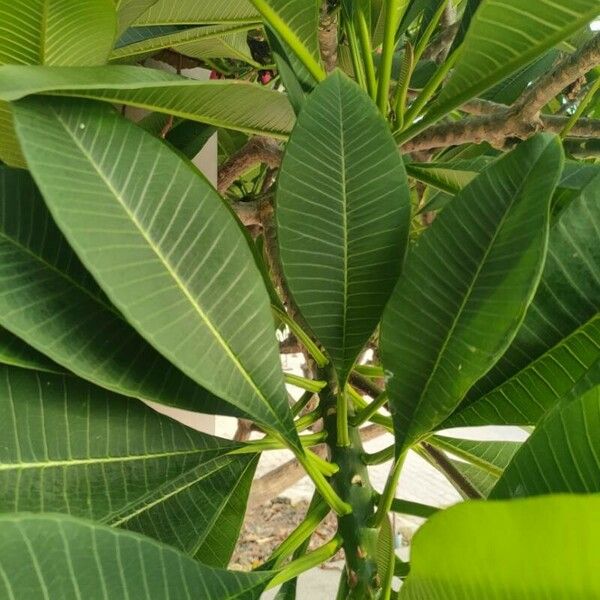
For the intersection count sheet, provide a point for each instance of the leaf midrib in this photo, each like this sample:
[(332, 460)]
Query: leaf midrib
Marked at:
[(169, 269), (52, 464)]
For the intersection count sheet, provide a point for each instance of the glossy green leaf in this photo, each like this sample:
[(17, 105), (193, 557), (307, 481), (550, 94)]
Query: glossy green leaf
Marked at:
[(163, 245), (493, 456), (130, 10), (14, 351), (561, 456), (559, 341), (448, 178), (230, 104), (219, 41), (481, 463), (71, 447), (296, 22), (342, 214), (534, 549), (466, 286), (52, 32), (48, 299), (503, 37), (45, 557), (188, 12)]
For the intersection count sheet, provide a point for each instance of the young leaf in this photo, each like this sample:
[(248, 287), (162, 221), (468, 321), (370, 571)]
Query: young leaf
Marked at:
[(230, 104), (53, 32), (164, 247), (51, 302), (503, 37), (342, 213), (56, 556), (69, 446), (508, 550), (561, 456), (467, 283), (562, 327)]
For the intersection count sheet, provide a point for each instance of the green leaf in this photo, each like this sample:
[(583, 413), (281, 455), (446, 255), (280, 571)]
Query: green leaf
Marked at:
[(48, 299), (503, 37), (448, 178), (485, 460), (188, 12), (561, 456), (342, 220), (231, 104), (54, 556), (219, 41), (534, 549), (14, 351), (48, 32), (492, 456), (466, 285), (52, 33), (296, 22), (129, 10), (71, 447), (559, 341), (163, 245)]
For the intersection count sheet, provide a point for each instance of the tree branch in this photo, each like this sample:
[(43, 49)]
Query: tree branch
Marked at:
[(494, 123), (258, 150)]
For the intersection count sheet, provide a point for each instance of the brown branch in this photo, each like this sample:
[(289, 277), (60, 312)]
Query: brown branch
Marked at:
[(328, 38), (444, 464), (259, 150), (494, 123), (566, 72)]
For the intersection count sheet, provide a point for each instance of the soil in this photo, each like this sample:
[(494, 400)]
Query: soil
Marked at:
[(266, 526)]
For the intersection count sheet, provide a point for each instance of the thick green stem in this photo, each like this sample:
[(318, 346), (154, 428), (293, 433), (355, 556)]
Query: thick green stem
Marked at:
[(310, 385), (357, 66), (352, 484)]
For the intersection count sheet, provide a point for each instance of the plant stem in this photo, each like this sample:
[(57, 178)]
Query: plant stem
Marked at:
[(352, 484), (417, 106), (317, 511), (367, 52), (441, 461), (302, 336), (581, 108), (406, 507), (343, 437), (362, 404), (422, 44), (406, 72), (365, 415), (384, 73), (357, 66), (306, 562), (377, 458), (438, 442), (389, 492), (294, 42), (310, 385), (307, 420), (304, 400)]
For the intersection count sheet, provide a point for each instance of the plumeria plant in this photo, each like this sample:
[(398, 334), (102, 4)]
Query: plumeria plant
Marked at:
[(408, 198)]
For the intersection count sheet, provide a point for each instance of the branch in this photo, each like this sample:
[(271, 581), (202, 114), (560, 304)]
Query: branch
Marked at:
[(494, 123), (259, 150), (566, 72)]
